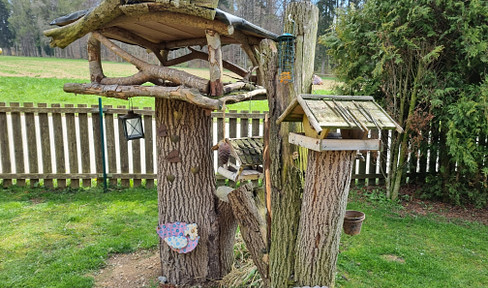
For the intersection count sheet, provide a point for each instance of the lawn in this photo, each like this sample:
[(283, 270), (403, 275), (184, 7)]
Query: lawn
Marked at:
[(57, 238), (41, 80)]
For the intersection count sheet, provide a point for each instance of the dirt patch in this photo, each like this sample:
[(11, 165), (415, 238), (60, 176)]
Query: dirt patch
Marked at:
[(134, 270), (423, 207), (393, 258)]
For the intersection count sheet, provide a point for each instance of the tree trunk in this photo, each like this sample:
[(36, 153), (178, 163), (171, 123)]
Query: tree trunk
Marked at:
[(323, 207), (186, 182), (286, 185)]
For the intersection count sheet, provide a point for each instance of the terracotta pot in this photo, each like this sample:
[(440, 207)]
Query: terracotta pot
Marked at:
[(352, 222)]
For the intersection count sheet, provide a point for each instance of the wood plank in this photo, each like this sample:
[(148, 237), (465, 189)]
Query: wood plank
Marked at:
[(72, 146), (333, 144), (220, 129), (45, 146), (244, 125), (124, 153), (149, 146), (136, 160), (255, 124), (84, 144), (30, 130), (97, 142), (18, 145), (362, 167), (253, 115), (384, 155), (110, 143), (232, 125), (4, 147), (59, 146), (69, 109), (373, 159)]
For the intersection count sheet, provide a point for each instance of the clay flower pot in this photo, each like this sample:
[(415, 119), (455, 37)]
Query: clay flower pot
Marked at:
[(353, 221)]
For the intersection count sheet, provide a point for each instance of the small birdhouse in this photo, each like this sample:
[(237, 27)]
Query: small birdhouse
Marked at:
[(241, 158), (346, 119)]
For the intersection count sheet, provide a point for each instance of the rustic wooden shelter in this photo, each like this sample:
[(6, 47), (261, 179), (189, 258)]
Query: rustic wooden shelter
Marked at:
[(244, 159), (353, 116), (186, 178)]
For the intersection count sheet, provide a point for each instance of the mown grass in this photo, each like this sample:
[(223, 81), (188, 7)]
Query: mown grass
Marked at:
[(397, 249), (54, 238), (57, 238)]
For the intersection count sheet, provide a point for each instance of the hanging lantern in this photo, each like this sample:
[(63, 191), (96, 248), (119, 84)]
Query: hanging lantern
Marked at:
[(286, 57), (132, 125)]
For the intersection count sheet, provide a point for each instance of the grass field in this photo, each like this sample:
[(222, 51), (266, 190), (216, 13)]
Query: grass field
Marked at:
[(58, 238), (41, 80)]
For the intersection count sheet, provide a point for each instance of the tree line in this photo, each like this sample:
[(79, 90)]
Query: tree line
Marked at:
[(22, 23)]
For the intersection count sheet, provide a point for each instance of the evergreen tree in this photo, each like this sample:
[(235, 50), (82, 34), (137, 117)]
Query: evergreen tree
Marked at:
[(6, 34)]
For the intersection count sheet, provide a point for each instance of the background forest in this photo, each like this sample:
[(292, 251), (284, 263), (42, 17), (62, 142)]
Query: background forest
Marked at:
[(22, 23)]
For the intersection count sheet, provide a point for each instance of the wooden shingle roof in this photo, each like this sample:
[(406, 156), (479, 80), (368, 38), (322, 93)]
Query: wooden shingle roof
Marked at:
[(248, 150)]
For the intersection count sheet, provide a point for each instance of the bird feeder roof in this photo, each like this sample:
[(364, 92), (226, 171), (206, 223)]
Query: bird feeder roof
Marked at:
[(248, 151), (339, 112), (156, 21)]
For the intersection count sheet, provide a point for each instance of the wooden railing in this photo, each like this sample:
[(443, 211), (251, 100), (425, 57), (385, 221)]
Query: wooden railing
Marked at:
[(60, 146)]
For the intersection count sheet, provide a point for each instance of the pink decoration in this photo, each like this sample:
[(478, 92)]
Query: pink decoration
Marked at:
[(177, 229)]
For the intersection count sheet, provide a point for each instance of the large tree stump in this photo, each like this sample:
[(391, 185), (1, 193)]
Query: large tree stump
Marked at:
[(323, 208), (185, 190), (286, 185)]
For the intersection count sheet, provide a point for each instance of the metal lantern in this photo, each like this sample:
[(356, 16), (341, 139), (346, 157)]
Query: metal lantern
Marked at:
[(286, 57), (132, 125)]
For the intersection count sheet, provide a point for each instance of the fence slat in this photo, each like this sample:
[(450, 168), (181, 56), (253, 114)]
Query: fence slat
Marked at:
[(84, 144), (220, 129), (373, 159), (255, 125), (59, 145), (110, 141), (136, 159), (72, 146), (30, 131), (18, 145), (45, 145), (244, 125), (148, 147), (124, 153), (232, 125), (97, 142), (4, 147)]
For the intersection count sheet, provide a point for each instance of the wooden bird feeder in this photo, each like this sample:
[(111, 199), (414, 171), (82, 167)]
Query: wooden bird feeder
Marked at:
[(245, 161), (323, 115)]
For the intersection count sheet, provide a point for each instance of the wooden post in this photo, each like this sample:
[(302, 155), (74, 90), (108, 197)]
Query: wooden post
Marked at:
[(323, 208), (285, 175), (4, 147), (215, 63)]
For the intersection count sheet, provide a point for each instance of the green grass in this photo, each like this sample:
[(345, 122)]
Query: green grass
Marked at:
[(57, 238), (394, 250), (53, 239)]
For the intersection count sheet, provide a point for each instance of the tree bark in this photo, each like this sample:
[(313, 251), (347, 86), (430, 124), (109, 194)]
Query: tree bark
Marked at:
[(286, 184), (323, 208), (253, 227), (185, 191), (215, 63)]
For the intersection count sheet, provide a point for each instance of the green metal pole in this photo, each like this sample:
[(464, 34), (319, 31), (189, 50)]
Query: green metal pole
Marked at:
[(102, 136)]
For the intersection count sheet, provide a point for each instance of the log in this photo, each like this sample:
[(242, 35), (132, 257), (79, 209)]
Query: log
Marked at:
[(94, 59), (253, 227), (154, 71), (125, 92), (104, 13), (215, 63)]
